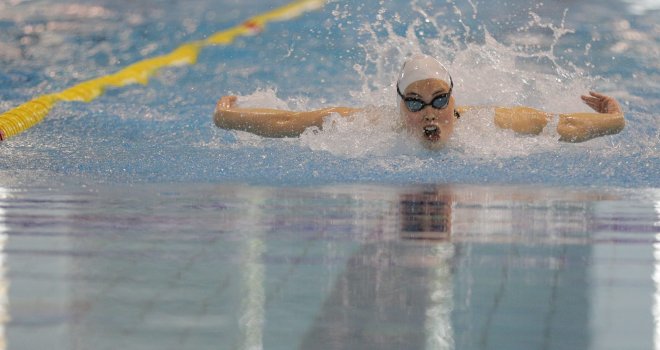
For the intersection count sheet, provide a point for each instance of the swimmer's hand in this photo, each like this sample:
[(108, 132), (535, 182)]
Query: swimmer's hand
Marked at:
[(580, 127), (223, 116), (224, 105), (226, 102)]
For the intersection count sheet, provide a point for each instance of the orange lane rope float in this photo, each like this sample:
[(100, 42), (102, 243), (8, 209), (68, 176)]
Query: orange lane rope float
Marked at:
[(32, 112)]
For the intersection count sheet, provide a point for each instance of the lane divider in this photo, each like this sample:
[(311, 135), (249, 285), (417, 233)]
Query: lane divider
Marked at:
[(34, 111)]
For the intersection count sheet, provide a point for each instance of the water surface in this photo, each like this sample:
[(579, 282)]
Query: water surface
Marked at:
[(132, 222), (336, 267)]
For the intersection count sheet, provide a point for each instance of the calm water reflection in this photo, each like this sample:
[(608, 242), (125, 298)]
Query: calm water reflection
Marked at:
[(343, 267), (396, 293)]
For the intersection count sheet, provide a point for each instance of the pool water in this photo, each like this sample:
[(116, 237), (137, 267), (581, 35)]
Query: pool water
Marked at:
[(133, 222), (525, 53)]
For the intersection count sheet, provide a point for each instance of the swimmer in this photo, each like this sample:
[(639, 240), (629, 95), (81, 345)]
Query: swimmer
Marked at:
[(428, 112)]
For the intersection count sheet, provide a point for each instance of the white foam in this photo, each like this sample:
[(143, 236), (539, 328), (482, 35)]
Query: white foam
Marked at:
[(477, 136), (374, 131), (265, 98)]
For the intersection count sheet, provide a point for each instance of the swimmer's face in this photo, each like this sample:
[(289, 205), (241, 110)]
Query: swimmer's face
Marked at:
[(431, 126)]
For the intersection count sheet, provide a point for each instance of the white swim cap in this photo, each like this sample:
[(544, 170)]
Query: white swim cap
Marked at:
[(422, 67)]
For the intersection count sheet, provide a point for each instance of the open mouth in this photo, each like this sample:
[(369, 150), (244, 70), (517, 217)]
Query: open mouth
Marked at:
[(432, 132)]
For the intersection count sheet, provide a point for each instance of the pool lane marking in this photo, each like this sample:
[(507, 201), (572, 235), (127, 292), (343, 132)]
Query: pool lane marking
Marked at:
[(34, 111)]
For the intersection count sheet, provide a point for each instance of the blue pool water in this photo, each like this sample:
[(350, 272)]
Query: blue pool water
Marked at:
[(133, 222), (519, 52)]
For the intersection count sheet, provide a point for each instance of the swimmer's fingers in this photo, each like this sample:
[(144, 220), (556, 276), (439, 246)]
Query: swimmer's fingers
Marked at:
[(597, 95), (602, 103), (594, 103)]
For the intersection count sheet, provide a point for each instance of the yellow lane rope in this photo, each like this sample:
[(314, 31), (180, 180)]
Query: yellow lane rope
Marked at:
[(30, 113)]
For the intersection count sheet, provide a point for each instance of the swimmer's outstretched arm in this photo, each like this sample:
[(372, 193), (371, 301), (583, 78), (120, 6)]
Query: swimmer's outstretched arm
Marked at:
[(572, 127), (270, 122), (523, 120)]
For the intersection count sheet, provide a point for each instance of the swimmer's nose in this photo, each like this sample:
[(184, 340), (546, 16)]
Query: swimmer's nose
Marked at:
[(429, 117)]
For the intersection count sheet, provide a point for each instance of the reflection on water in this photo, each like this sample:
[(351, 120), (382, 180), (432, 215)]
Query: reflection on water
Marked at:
[(426, 214), (395, 293), (251, 318), (343, 267)]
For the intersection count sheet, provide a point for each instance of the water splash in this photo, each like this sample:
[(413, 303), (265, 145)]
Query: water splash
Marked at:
[(486, 72)]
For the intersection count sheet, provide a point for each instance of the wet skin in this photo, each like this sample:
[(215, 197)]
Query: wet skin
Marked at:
[(433, 127)]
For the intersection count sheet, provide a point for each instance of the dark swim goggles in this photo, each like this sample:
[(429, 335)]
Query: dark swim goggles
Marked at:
[(439, 102)]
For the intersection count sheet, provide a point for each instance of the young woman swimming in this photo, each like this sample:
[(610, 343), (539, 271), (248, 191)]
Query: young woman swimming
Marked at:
[(428, 112)]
